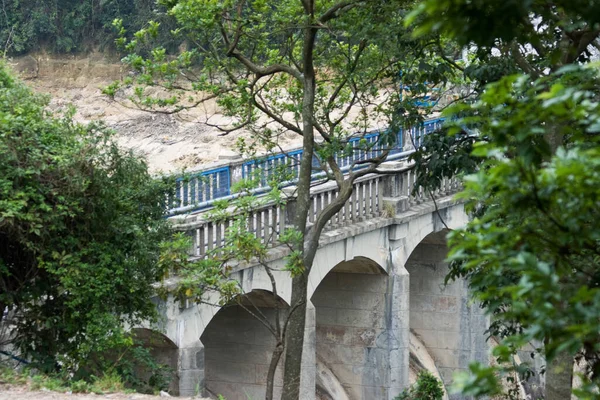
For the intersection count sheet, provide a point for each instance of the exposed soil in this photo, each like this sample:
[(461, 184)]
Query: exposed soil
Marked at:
[(9, 392), (169, 142)]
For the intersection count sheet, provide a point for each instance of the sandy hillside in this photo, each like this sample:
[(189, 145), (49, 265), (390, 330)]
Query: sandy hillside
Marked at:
[(170, 142)]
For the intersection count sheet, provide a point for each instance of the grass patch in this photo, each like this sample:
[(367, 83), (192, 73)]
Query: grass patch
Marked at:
[(107, 383)]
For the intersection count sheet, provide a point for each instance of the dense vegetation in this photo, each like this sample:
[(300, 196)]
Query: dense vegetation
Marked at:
[(63, 26), (81, 223), (529, 140), (317, 69), (530, 255)]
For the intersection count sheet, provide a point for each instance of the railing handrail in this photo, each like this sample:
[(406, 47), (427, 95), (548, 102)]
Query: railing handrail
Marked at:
[(195, 220), (383, 194), (199, 189)]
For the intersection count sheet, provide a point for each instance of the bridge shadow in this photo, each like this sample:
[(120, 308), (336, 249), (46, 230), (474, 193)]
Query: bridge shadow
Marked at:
[(238, 347), (351, 333), (441, 317), (164, 353)]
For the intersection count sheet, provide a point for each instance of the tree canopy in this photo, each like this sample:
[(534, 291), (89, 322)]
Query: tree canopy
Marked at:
[(81, 223), (328, 71), (528, 144), (65, 26)]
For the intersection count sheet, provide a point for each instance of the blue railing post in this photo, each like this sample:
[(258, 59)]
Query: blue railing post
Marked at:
[(199, 189)]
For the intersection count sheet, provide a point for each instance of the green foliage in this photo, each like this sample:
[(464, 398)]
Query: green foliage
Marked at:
[(80, 227), (65, 26), (356, 64), (532, 253), (107, 383), (427, 387), (484, 22), (530, 143)]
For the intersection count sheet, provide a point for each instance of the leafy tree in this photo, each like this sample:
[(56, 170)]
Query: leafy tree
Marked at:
[(323, 70), (530, 258), (65, 26), (531, 254), (80, 227)]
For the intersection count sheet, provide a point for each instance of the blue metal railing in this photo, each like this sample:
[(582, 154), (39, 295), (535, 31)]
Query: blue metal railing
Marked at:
[(198, 190), (201, 187)]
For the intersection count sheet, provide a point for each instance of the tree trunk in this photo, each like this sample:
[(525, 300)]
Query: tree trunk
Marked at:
[(559, 377), (296, 324), (275, 357), (295, 339)]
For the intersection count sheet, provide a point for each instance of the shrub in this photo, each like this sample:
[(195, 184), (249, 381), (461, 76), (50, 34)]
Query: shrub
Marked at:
[(427, 387), (81, 223)]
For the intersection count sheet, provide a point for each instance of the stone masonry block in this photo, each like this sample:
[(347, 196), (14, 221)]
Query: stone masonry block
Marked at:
[(329, 334), (191, 358), (232, 372)]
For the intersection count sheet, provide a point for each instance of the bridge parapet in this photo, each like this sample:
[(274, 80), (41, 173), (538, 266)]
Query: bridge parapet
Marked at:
[(388, 193), (198, 189)]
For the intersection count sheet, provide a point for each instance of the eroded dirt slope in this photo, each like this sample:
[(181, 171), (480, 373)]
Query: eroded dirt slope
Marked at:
[(170, 143)]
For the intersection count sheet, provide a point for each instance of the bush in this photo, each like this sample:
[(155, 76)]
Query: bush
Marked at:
[(65, 26), (427, 387), (81, 223)]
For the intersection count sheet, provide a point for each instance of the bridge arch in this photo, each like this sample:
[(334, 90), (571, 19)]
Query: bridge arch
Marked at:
[(352, 331), (410, 233), (441, 316), (370, 247), (164, 352), (238, 346)]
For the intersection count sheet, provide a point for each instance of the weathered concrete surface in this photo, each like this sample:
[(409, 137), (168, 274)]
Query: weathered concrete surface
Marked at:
[(351, 331), (370, 284), (237, 353), (452, 329)]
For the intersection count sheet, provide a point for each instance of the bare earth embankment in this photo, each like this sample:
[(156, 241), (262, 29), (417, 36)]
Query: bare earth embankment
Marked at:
[(169, 142), (24, 393)]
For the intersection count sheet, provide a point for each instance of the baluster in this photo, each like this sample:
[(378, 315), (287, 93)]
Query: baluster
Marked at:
[(194, 237), (371, 189), (209, 237), (202, 240), (251, 223), (225, 229), (266, 223), (259, 225), (364, 202), (355, 200), (193, 186), (380, 185), (318, 204), (218, 237), (275, 226), (411, 183), (311, 210)]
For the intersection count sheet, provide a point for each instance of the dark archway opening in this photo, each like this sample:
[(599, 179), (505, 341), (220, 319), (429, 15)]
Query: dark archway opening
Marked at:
[(351, 332), (159, 370), (238, 347)]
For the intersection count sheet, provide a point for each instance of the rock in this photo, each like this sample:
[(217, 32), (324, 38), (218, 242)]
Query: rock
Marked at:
[(164, 394)]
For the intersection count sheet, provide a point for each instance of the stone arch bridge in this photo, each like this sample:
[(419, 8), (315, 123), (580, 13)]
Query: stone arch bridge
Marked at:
[(378, 312)]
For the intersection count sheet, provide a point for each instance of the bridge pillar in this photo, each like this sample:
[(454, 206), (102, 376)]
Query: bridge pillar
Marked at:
[(309, 357), (395, 188), (191, 370), (397, 320)]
